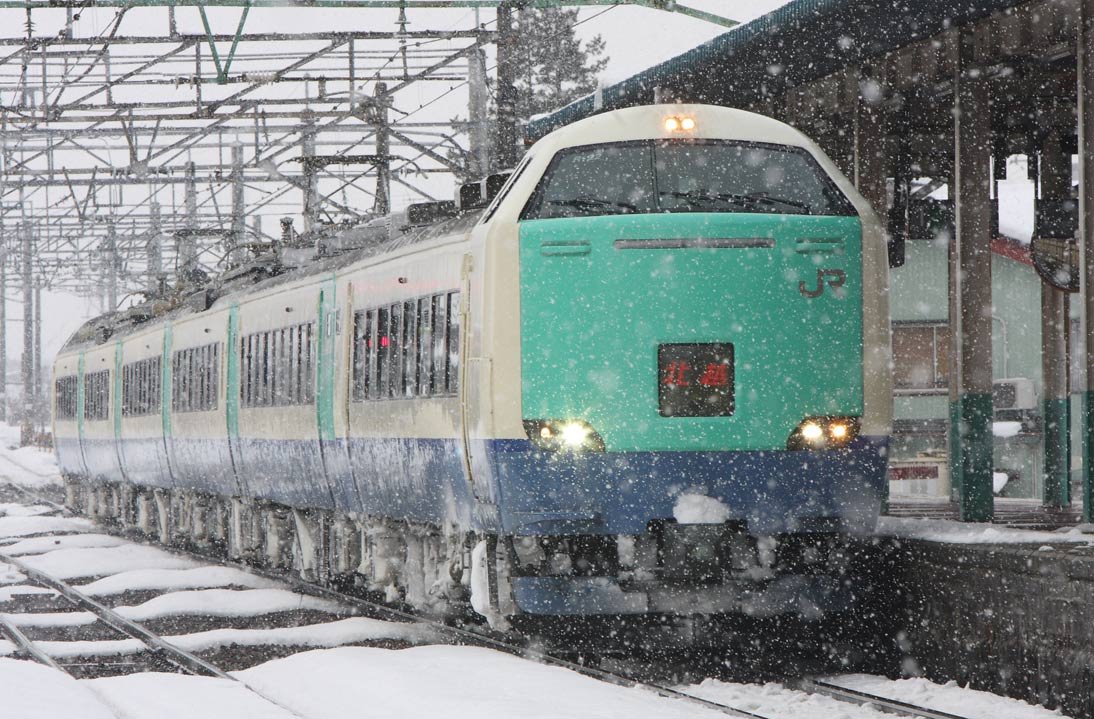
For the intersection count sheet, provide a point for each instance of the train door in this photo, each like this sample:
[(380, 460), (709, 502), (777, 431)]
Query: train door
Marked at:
[(476, 418), (330, 395), (166, 379), (116, 400), (231, 390), (80, 400)]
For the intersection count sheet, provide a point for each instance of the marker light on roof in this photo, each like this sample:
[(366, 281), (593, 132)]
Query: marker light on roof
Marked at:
[(672, 124), (687, 123)]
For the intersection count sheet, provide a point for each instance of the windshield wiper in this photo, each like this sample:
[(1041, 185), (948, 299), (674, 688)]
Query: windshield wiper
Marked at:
[(766, 197), (763, 200), (592, 204)]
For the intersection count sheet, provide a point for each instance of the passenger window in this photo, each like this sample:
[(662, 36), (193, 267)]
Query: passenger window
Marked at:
[(425, 346), (453, 366), (410, 349)]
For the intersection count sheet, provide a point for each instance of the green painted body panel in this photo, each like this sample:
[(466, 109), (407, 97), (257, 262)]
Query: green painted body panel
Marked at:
[(1088, 456), (324, 404), (971, 445), (231, 392), (80, 367), (165, 381), (1057, 422), (593, 315)]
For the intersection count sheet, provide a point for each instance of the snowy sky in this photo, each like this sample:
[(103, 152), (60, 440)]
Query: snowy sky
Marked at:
[(636, 38)]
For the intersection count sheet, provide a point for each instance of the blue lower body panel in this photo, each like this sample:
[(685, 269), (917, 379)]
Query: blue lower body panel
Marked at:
[(69, 457), (101, 458), (145, 462), (204, 465), (285, 471), (620, 493), (416, 479)]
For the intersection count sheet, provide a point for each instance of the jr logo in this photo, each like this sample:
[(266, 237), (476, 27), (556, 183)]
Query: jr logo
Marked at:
[(834, 278)]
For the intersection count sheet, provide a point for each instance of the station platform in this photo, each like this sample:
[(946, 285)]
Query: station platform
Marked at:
[(996, 606), (1024, 513)]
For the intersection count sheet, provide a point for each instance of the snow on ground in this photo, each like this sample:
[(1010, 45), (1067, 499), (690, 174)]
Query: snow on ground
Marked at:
[(330, 634), (8, 509), (953, 532), (91, 648), (99, 561), (227, 603), (949, 697), (453, 682), (24, 526), (6, 593), (30, 467), (775, 700), (41, 545), (196, 578), (10, 575), (31, 691), (49, 619), (173, 696)]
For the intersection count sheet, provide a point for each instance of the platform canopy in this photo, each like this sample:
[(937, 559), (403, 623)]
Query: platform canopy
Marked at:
[(800, 42)]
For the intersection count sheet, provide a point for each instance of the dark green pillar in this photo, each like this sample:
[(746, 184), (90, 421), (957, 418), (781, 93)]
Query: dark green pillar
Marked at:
[(970, 293), (1085, 89), (1055, 182)]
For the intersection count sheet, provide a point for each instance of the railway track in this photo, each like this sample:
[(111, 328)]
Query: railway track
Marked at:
[(151, 651)]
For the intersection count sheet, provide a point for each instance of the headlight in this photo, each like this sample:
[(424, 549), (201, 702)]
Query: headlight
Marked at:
[(563, 435), (823, 433)]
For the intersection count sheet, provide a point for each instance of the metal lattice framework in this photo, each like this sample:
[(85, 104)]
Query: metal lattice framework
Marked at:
[(130, 154), (144, 140)]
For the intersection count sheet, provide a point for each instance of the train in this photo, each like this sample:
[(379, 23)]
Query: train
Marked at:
[(645, 373)]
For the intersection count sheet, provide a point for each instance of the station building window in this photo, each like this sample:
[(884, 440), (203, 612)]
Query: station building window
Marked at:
[(921, 357), (407, 349)]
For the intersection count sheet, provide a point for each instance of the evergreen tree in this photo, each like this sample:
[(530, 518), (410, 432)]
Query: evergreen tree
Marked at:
[(553, 66)]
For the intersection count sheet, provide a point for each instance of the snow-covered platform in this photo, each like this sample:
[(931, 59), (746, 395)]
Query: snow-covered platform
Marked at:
[(1001, 608), (1028, 513)]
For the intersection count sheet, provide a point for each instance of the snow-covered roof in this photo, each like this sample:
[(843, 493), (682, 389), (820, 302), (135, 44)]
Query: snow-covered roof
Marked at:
[(801, 41)]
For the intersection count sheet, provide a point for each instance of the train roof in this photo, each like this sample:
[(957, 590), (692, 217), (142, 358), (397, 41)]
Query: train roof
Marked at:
[(646, 122), (266, 272)]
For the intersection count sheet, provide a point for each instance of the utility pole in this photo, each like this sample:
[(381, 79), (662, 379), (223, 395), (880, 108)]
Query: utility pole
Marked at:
[(235, 250), (3, 328), (479, 112), (382, 206), (311, 185), (154, 247), (188, 254), (111, 258), (27, 425), (505, 151), (38, 350)]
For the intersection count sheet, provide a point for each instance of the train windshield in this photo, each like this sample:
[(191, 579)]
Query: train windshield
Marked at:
[(684, 176)]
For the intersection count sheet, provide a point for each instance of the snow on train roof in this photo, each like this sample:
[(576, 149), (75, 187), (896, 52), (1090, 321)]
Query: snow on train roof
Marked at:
[(121, 326), (647, 122)]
